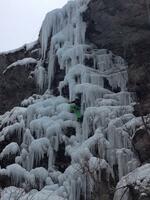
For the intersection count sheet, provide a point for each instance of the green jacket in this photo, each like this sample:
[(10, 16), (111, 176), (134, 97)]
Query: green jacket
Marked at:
[(75, 109)]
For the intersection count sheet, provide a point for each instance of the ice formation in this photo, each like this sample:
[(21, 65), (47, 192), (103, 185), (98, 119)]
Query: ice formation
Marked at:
[(9, 150), (46, 132)]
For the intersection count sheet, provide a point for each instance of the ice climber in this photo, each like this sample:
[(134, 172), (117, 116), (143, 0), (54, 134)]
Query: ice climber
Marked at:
[(75, 107)]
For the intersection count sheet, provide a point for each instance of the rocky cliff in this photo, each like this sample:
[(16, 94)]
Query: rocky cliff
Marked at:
[(15, 84), (96, 51)]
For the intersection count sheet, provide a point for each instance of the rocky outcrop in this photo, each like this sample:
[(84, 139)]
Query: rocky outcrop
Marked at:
[(124, 28), (15, 84), (141, 143), (29, 50), (135, 185)]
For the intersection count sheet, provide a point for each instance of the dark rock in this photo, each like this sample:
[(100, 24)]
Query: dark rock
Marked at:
[(42, 163), (14, 136), (141, 143), (15, 85), (89, 62), (11, 137), (116, 173), (35, 53), (108, 86), (103, 189), (69, 131), (59, 76), (8, 160), (140, 193), (119, 26), (3, 144), (62, 161), (4, 181), (65, 91)]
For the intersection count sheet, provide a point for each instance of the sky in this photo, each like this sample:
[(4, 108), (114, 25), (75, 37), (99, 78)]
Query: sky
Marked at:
[(20, 20)]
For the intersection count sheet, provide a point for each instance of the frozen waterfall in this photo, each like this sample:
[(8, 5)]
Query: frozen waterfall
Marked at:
[(62, 158)]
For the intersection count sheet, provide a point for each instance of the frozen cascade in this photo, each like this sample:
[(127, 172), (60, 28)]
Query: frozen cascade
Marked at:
[(27, 138), (56, 154), (63, 26)]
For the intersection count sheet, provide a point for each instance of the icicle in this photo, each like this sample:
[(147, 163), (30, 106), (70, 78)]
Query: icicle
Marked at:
[(123, 157), (40, 175), (40, 77), (27, 138), (89, 94), (17, 174), (37, 150)]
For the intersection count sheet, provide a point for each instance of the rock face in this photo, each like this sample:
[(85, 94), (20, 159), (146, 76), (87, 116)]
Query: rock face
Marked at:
[(124, 28), (141, 142), (10, 57), (15, 84), (135, 185)]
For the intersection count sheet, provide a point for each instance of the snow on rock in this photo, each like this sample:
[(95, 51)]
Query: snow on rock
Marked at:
[(137, 180), (10, 149), (27, 47), (15, 130), (23, 62), (30, 45), (16, 173), (36, 178), (13, 116), (12, 193), (41, 176)]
